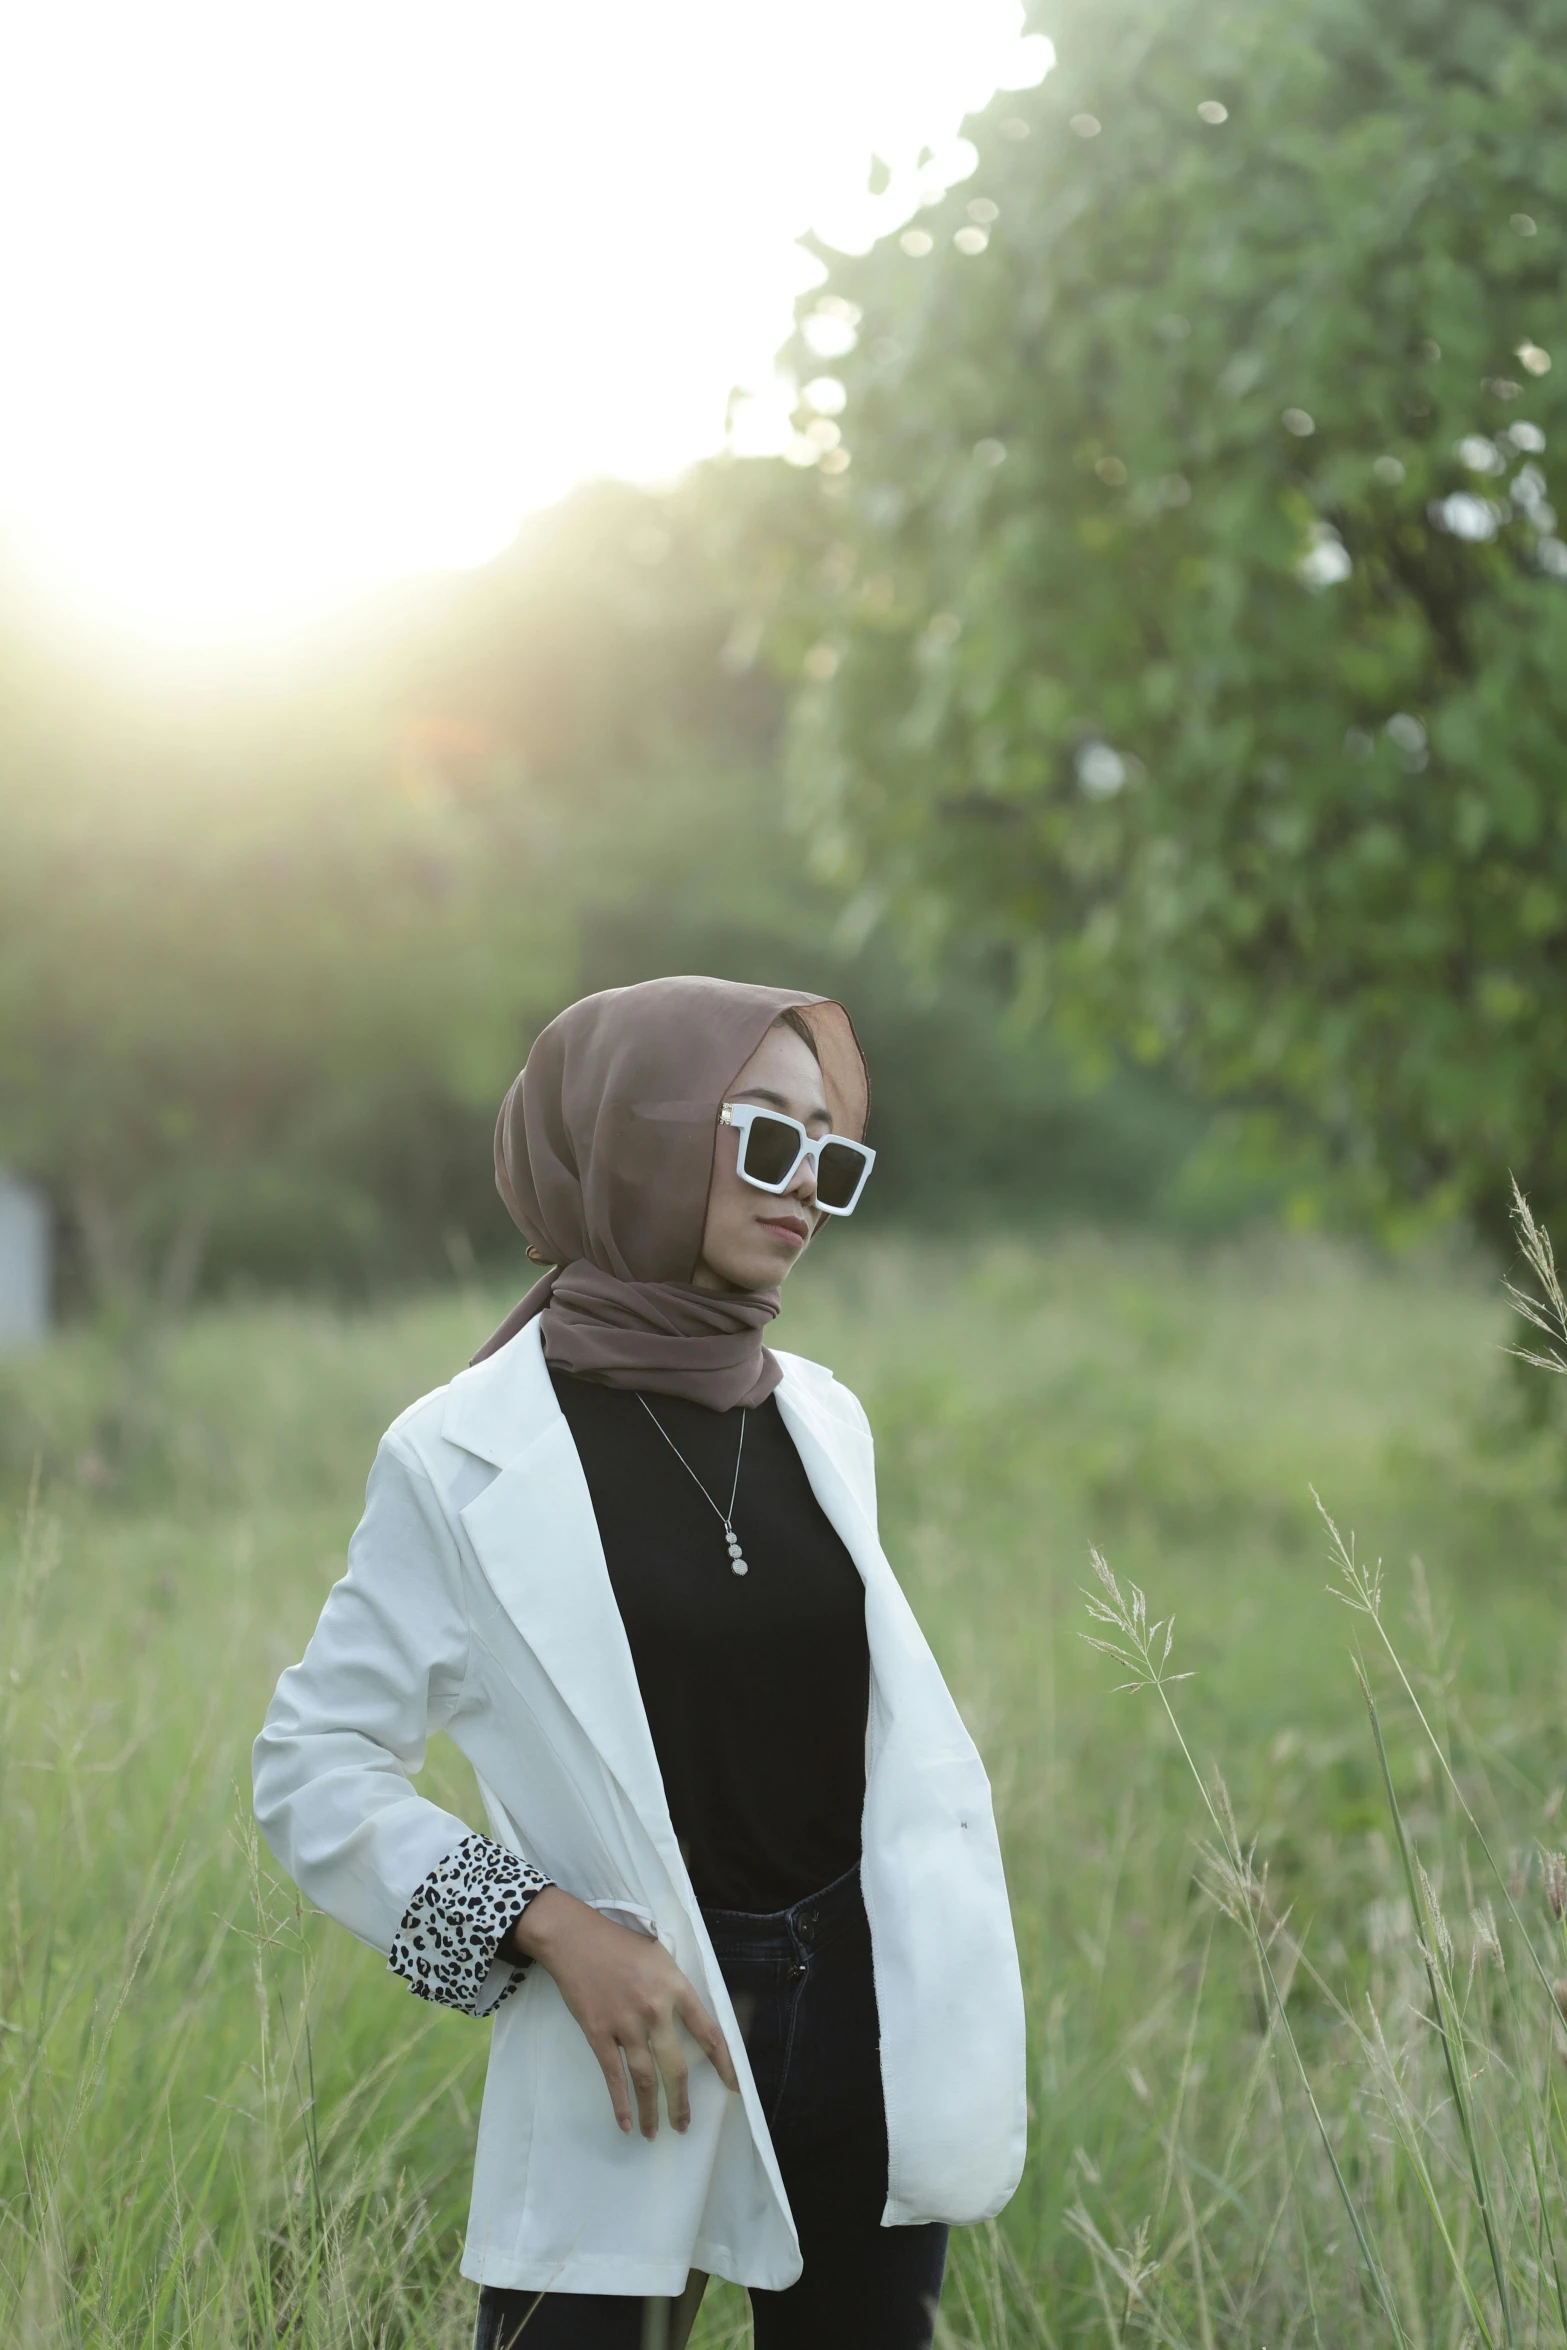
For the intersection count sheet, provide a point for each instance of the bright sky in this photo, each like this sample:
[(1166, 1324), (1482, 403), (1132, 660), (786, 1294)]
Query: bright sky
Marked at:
[(303, 295)]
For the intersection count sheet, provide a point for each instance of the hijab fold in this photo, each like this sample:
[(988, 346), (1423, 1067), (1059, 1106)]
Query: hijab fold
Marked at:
[(604, 1158)]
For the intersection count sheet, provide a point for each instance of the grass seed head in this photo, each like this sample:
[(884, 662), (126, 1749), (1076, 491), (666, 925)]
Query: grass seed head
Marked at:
[(1556, 1883), (1135, 1648), (1546, 1306), (1487, 1941), (1358, 1587), (1444, 1940)]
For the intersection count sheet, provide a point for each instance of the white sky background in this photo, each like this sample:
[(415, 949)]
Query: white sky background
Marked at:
[(302, 295)]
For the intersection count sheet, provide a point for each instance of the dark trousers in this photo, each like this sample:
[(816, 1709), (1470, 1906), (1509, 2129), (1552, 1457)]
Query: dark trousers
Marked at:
[(805, 1997)]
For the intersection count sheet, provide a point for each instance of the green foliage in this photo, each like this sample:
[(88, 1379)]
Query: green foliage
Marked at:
[(272, 948), (222, 2122), (210, 1001), (1192, 622)]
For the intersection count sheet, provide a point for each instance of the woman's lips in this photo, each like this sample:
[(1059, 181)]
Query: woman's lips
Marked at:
[(785, 1228)]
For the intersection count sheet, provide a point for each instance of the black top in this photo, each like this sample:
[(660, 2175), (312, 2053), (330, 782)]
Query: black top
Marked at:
[(757, 1687)]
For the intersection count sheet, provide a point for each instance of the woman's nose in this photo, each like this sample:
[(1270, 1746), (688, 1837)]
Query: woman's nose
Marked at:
[(803, 1188)]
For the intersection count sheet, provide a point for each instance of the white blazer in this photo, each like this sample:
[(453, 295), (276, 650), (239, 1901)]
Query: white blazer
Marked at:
[(477, 1601)]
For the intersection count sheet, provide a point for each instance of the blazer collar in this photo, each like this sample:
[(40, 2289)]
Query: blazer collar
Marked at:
[(497, 1409)]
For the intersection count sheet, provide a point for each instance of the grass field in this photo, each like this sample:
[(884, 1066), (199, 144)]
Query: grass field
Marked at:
[(224, 2123)]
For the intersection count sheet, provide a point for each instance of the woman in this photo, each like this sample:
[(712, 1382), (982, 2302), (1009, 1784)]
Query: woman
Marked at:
[(742, 1865)]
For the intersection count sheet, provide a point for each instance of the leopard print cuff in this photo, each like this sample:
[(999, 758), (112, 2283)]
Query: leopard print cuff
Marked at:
[(452, 1929)]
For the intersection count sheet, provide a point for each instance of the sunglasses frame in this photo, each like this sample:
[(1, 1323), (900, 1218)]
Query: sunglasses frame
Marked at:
[(741, 1116)]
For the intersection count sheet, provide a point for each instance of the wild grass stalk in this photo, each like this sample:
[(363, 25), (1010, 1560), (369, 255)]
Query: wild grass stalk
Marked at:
[(1239, 1891), (1484, 2151), (1544, 1306), (1436, 1951)]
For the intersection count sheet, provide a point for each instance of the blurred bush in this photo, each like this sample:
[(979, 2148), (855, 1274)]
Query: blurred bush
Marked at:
[(273, 945)]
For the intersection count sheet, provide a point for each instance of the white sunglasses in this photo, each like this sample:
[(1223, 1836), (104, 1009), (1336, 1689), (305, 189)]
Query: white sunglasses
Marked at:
[(773, 1149)]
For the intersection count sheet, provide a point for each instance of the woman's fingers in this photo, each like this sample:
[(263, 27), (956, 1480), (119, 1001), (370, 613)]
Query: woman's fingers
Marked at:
[(651, 2052), (706, 2034), (613, 2066), (628, 1996), (670, 2058), (644, 2081)]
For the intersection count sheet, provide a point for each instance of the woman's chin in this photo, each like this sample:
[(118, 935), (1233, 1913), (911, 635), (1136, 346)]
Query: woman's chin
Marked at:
[(761, 1268)]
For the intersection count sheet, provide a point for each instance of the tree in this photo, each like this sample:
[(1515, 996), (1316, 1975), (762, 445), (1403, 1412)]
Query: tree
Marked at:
[(273, 944), (1191, 622), (245, 1016)]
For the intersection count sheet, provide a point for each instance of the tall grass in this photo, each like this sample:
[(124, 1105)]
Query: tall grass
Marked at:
[(1435, 2099), (1454, 2199), (1296, 2054)]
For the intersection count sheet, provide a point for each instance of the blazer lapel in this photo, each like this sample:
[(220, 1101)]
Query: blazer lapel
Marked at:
[(537, 1541), (837, 1459), (837, 1462)]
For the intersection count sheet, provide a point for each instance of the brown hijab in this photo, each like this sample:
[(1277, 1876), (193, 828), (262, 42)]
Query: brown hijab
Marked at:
[(604, 1157)]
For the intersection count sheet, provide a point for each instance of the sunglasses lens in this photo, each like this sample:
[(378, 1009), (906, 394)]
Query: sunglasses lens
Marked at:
[(839, 1173), (772, 1146)]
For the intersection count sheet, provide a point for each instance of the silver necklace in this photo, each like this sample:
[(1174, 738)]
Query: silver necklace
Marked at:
[(736, 1555)]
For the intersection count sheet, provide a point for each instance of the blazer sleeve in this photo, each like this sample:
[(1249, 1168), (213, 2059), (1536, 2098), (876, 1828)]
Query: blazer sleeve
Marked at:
[(346, 1733)]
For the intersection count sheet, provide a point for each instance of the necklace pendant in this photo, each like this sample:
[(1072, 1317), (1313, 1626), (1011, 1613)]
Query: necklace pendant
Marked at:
[(737, 1559)]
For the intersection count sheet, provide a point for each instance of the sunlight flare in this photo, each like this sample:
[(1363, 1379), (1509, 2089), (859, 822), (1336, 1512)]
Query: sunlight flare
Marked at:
[(311, 297)]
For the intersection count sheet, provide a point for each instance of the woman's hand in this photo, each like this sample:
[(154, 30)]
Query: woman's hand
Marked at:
[(628, 1995)]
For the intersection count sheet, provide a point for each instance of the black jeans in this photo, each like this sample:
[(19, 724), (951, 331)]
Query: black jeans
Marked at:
[(805, 1997)]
